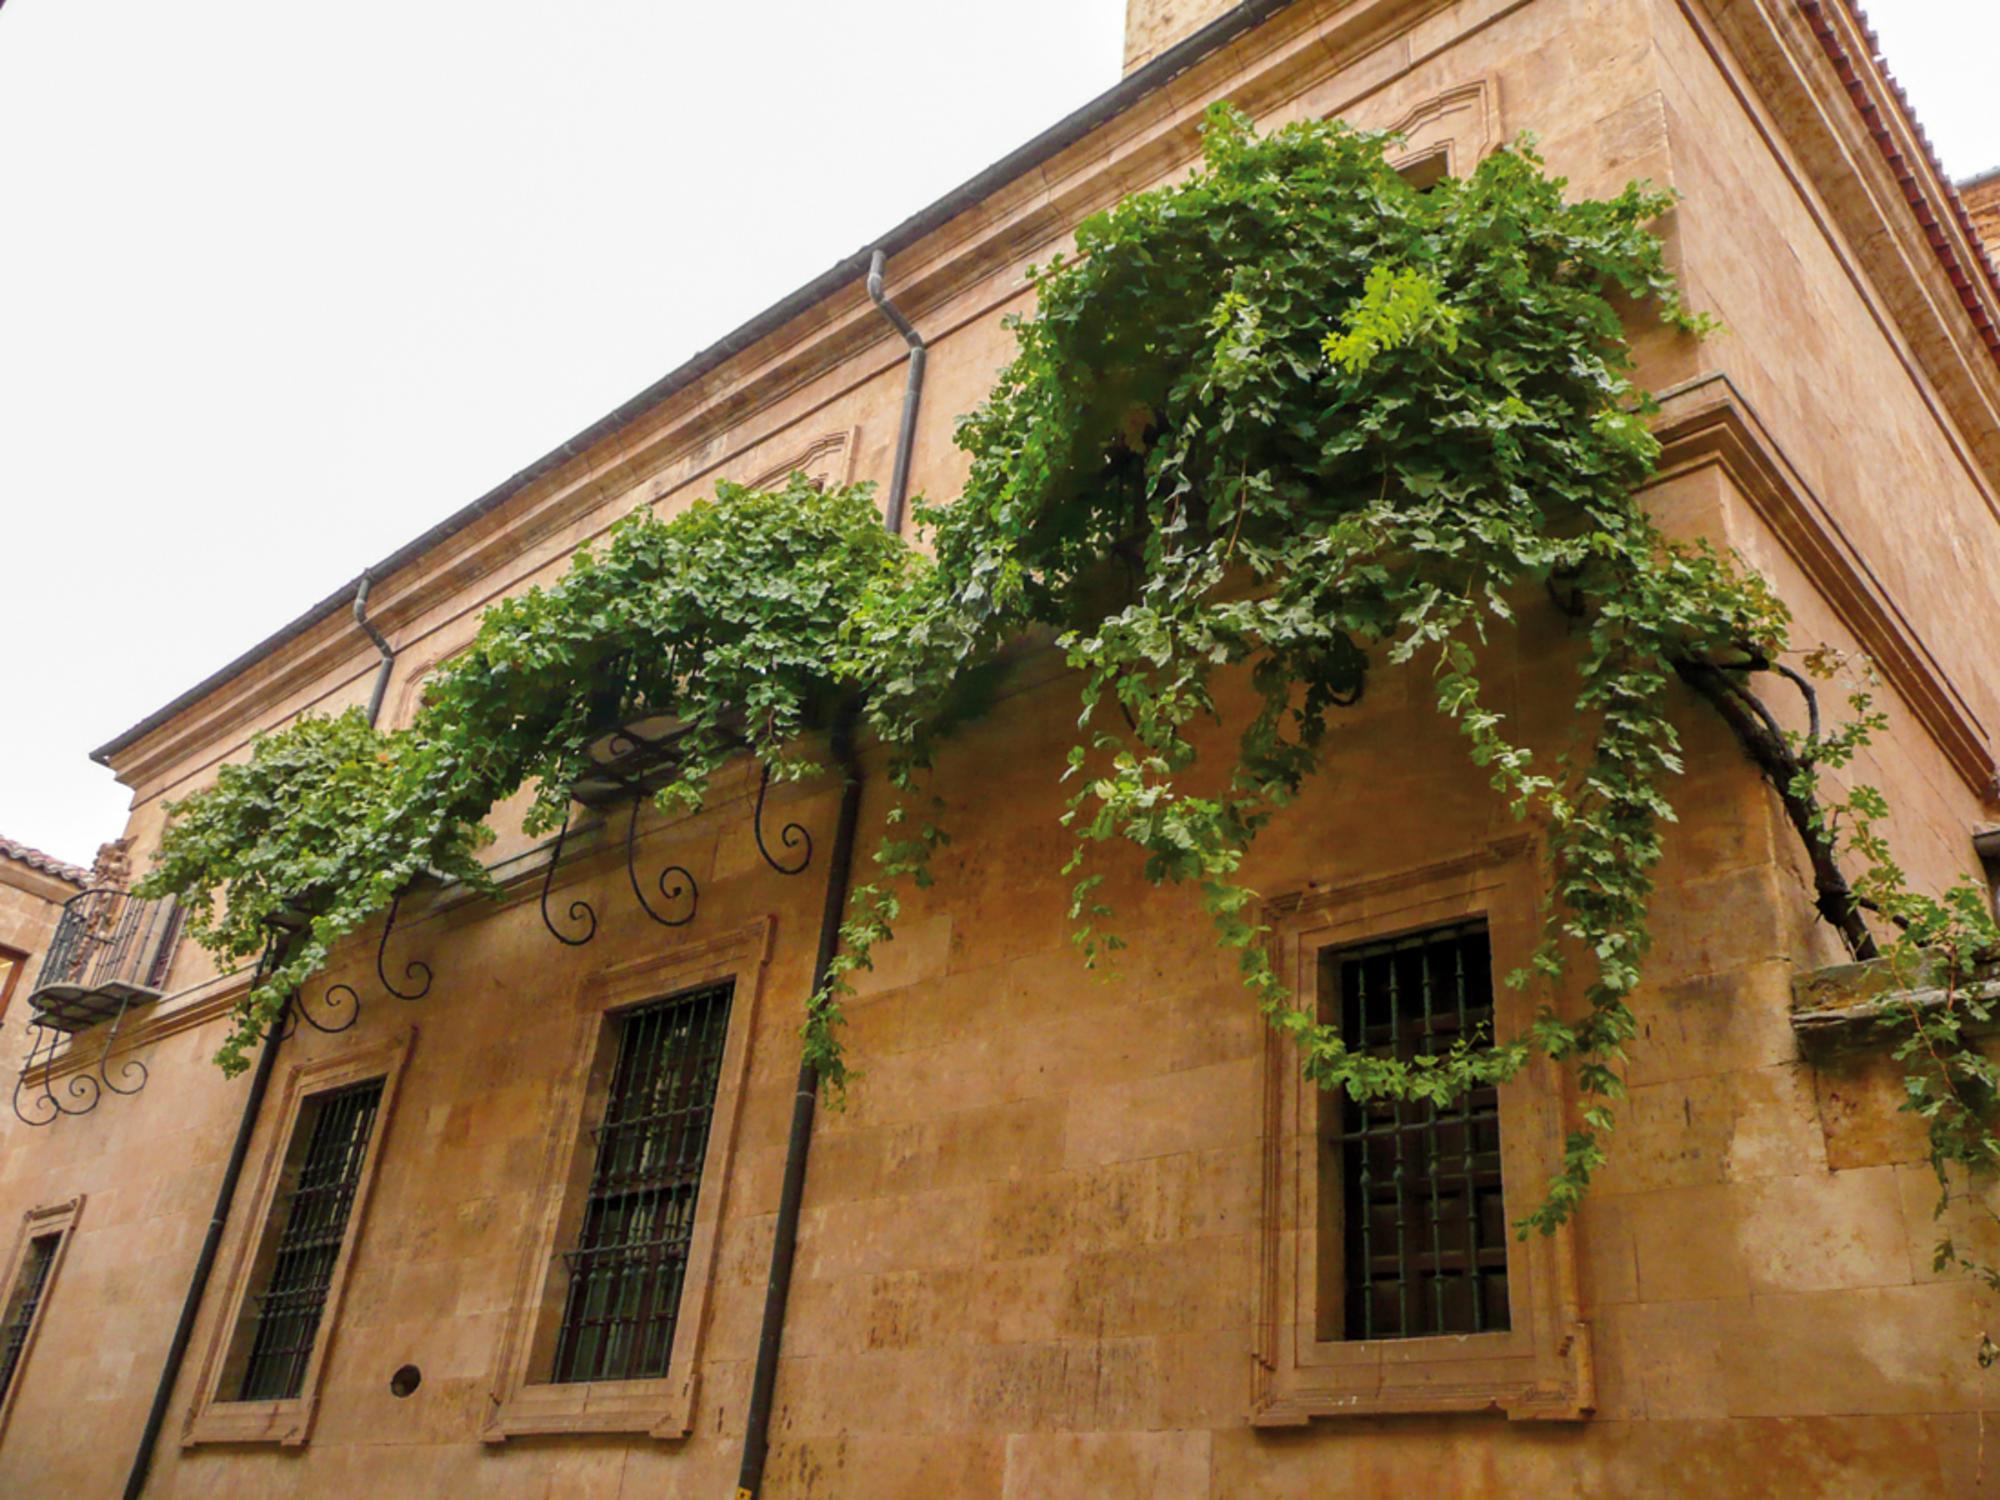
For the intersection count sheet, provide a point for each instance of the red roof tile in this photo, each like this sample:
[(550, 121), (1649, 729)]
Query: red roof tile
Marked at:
[(34, 859), (1964, 277)]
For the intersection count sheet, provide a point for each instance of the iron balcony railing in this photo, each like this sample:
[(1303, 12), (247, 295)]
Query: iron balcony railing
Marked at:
[(111, 950)]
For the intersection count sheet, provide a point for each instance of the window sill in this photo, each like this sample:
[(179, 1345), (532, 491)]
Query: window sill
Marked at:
[(283, 1422), (641, 1408)]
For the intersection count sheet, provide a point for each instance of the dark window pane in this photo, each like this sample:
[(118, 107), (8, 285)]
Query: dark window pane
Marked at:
[(1424, 1241), (22, 1302), (284, 1311), (630, 1258)]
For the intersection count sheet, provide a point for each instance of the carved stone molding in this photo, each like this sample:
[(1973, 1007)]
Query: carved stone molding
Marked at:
[(1708, 422), (828, 461), (523, 1405), (1462, 124), (1541, 1366)]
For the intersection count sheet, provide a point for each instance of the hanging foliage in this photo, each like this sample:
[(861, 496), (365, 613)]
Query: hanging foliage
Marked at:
[(1290, 421), (725, 618)]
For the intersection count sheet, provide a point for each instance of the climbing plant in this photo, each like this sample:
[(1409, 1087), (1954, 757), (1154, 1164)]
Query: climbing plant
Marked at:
[(725, 618), (1289, 423)]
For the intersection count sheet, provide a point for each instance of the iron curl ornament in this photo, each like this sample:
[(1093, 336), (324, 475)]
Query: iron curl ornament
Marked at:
[(791, 836)]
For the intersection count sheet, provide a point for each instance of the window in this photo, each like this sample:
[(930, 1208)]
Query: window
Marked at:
[(12, 962), (1389, 1277), (292, 1245), (304, 1238), (614, 1271), (1426, 171), (30, 1272), (627, 1267), (22, 1304), (1420, 1247)]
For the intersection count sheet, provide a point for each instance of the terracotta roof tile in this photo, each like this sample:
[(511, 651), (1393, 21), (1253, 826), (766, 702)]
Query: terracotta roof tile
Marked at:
[(1852, 76), (34, 859)]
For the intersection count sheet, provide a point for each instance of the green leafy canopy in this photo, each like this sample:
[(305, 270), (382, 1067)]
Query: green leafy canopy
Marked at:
[(1289, 421)]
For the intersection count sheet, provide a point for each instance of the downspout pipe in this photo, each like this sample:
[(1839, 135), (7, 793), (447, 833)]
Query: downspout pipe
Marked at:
[(381, 687), (239, 1150), (791, 1194), (840, 863), (913, 391), (225, 1195)]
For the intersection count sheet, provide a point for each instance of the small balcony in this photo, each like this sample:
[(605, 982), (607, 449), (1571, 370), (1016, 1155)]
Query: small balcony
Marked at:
[(111, 951)]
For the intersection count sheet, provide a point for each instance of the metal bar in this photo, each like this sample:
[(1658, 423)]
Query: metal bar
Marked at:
[(27, 1298), (1431, 1160), (316, 1212), (1477, 1296), (627, 1267), (1397, 1046), (805, 1098)]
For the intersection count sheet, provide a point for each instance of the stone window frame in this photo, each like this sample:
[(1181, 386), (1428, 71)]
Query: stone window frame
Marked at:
[(10, 980), (36, 1223), (1540, 1367), (212, 1418), (1460, 124), (524, 1402)]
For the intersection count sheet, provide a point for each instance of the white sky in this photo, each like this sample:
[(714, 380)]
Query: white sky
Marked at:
[(282, 285)]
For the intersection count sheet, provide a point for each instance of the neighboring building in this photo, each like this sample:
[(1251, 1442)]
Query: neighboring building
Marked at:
[(1067, 1238), (33, 888)]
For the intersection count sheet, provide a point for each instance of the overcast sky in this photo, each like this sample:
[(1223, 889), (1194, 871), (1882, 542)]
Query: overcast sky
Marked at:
[(281, 285)]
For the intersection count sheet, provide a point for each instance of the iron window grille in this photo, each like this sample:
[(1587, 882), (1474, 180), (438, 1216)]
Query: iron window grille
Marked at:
[(631, 1253), (21, 1305), (284, 1311), (1423, 1230)]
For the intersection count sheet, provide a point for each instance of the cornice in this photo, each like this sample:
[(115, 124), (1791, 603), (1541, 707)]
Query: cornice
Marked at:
[(1861, 157), (35, 883), (1708, 422)]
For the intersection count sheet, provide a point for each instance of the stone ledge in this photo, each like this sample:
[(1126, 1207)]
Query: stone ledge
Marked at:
[(1847, 1005)]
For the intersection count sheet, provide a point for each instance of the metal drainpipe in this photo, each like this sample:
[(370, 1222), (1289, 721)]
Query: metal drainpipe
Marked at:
[(791, 1194), (785, 1241), (239, 1150), (381, 687), (913, 393)]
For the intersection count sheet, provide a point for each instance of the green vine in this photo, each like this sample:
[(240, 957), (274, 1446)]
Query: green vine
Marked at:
[(1290, 422), (726, 619)]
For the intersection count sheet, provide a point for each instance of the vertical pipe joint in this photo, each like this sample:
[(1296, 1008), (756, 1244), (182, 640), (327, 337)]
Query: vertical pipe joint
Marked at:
[(381, 687), (913, 389)]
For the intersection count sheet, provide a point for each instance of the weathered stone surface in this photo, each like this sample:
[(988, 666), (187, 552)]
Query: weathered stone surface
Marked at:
[(1029, 1263)]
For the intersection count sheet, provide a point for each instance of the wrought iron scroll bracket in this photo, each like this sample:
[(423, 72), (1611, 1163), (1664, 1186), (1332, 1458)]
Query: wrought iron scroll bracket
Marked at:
[(579, 910), (683, 889), (126, 1068), (333, 1004), (416, 969), (791, 836), (82, 1087)]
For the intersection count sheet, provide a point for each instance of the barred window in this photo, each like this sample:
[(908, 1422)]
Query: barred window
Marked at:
[(631, 1251), (22, 1301), (302, 1242), (1420, 1245)]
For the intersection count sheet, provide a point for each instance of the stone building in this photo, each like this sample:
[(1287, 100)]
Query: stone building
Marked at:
[(1071, 1236), (33, 888)]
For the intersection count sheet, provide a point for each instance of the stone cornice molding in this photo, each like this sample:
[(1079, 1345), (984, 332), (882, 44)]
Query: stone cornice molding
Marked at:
[(1708, 422), (1780, 59), (34, 883)]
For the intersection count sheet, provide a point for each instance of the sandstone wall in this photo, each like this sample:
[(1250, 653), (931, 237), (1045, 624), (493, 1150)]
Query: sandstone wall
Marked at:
[(1030, 1258)]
